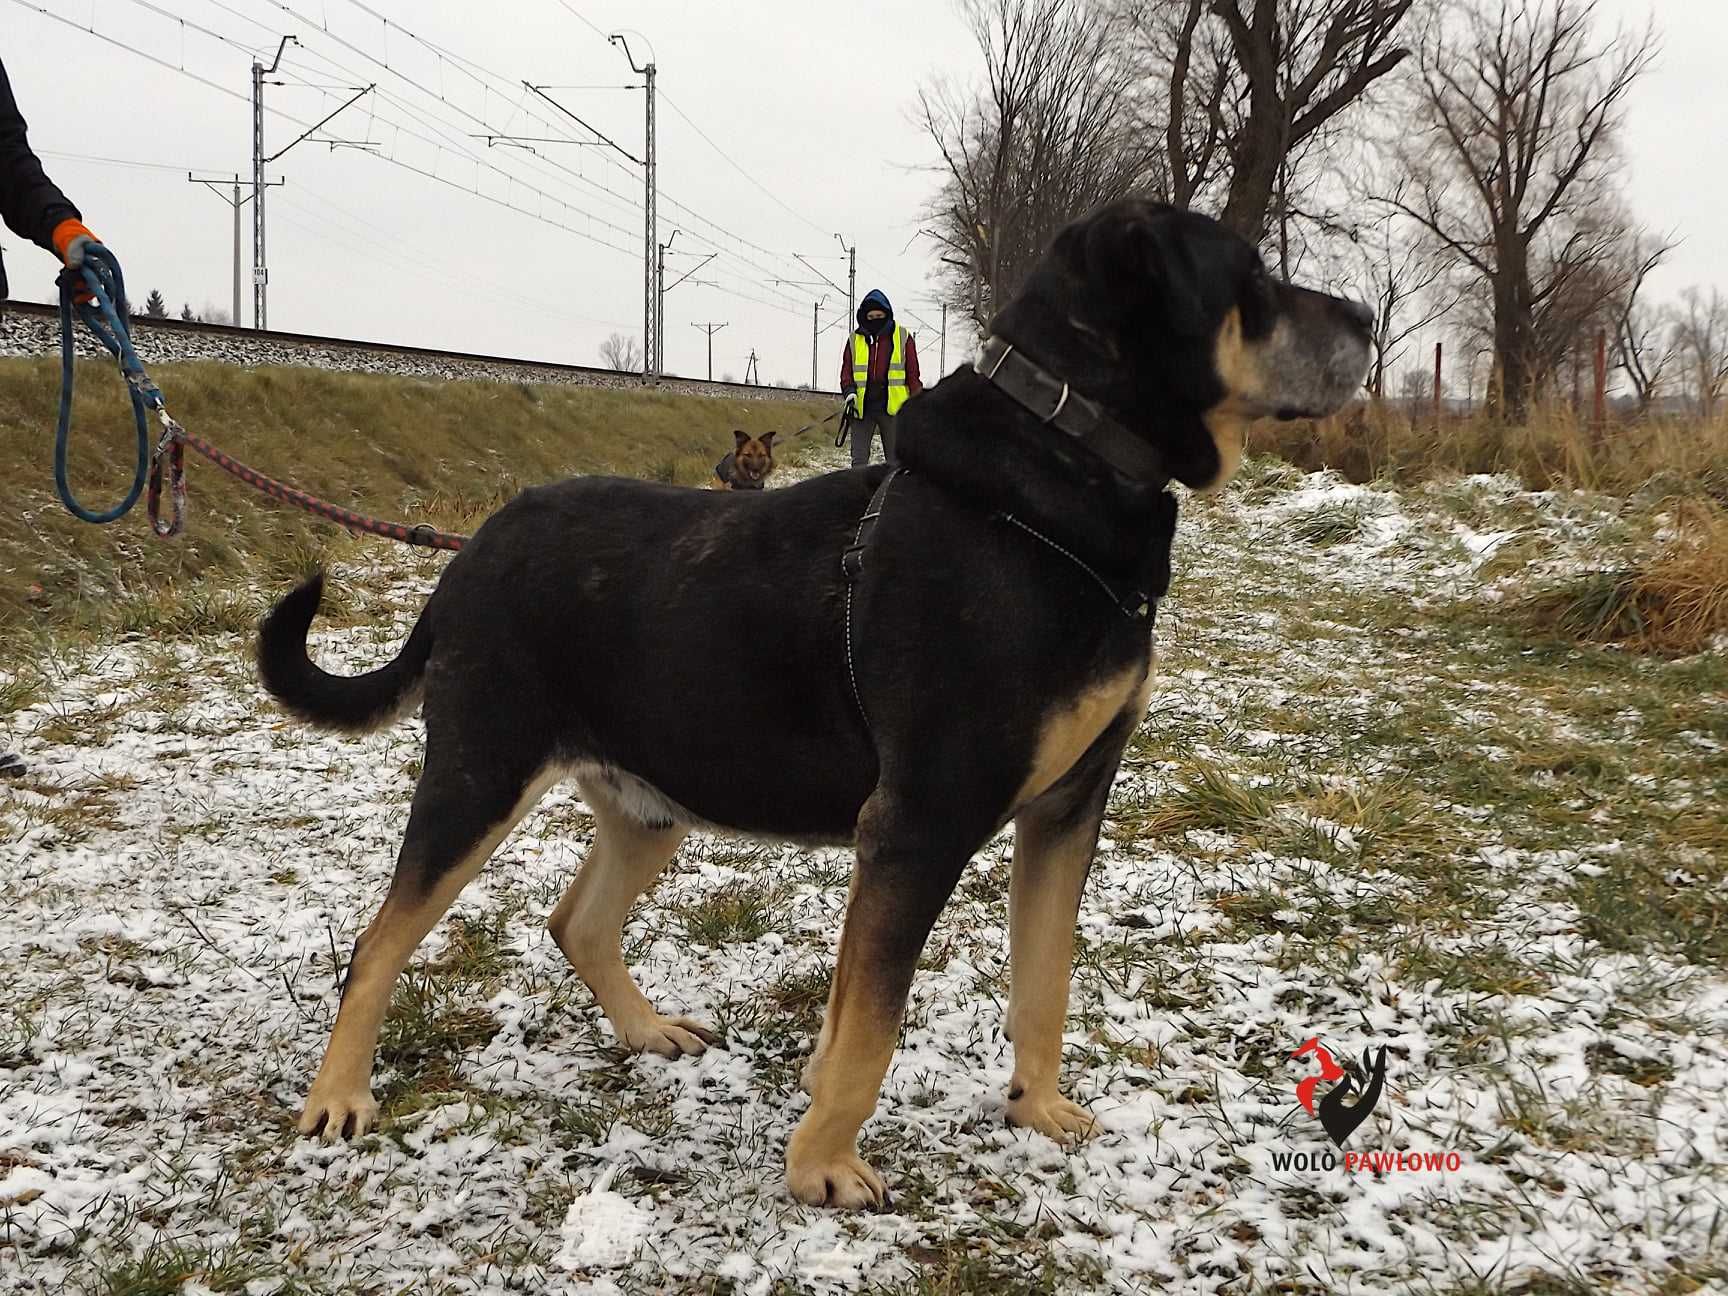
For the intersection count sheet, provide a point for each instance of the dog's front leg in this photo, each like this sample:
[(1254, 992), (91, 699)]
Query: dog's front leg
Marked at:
[(1054, 840), (902, 881)]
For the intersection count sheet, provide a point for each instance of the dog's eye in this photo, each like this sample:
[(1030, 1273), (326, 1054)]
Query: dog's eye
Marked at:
[(1259, 299)]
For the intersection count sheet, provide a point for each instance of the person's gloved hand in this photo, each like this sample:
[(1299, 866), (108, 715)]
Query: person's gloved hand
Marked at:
[(71, 238)]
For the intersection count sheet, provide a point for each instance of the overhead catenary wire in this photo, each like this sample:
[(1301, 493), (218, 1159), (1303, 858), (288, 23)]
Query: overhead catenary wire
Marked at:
[(417, 129), (251, 51), (495, 81), (477, 75), (378, 242), (451, 141), (386, 158), (679, 204), (772, 196)]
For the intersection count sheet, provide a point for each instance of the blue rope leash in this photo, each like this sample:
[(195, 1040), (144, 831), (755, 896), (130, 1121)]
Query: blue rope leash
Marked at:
[(106, 318)]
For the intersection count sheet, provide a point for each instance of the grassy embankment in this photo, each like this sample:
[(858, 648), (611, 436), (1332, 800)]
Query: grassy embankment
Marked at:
[(406, 449)]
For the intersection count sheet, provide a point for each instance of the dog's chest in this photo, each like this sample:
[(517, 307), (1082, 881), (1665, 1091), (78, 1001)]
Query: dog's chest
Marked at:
[(1072, 723)]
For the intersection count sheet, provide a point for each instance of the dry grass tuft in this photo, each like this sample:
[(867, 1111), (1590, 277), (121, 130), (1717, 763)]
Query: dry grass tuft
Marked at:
[(1675, 604), (1553, 450)]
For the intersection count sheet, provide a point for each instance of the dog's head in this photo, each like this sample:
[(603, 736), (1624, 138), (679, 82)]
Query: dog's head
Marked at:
[(1173, 324), (754, 456)]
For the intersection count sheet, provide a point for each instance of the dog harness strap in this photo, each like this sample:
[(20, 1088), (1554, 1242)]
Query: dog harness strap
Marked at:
[(1135, 606), (852, 560), (852, 567), (1057, 405)]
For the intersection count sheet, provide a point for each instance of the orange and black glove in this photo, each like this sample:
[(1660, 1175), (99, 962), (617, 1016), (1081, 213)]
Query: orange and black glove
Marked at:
[(70, 239)]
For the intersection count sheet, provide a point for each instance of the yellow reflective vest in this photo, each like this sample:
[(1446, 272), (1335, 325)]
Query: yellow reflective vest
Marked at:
[(897, 392)]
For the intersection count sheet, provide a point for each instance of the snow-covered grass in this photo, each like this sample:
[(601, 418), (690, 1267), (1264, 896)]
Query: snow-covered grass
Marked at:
[(1367, 806)]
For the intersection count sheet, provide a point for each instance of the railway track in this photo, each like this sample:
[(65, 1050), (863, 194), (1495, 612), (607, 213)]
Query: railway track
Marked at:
[(31, 328)]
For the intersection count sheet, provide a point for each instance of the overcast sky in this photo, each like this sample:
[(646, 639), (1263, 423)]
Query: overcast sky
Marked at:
[(807, 112)]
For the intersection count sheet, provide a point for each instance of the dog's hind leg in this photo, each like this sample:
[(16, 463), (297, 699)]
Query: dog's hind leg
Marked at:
[(1054, 841), (907, 867), (588, 924), (461, 812)]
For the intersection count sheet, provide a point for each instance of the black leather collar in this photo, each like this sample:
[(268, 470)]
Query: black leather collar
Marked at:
[(1055, 404)]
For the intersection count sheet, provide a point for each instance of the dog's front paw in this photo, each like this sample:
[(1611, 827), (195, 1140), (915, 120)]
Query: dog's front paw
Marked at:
[(671, 1037), (330, 1115), (844, 1181), (1051, 1115)]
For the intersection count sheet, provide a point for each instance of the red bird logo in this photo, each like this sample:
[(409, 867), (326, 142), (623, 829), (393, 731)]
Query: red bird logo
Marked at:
[(1339, 1118), (1330, 1072)]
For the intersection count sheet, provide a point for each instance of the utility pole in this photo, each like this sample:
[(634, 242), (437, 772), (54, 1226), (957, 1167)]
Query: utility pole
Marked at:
[(653, 320), (851, 277), (752, 374), (660, 299), (237, 202), (659, 358), (710, 329), (260, 274), (942, 364), (815, 313), (260, 271)]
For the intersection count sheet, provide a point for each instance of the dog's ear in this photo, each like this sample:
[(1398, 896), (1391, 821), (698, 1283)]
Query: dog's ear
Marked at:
[(739, 437), (767, 440), (1133, 258)]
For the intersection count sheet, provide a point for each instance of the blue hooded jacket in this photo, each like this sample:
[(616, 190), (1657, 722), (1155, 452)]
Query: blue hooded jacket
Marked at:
[(875, 298)]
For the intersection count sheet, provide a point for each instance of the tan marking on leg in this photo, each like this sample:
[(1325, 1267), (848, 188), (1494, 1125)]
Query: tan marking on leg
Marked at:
[(1043, 902), (831, 1013), (340, 1101), (588, 925), (1070, 728), (844, 1078)]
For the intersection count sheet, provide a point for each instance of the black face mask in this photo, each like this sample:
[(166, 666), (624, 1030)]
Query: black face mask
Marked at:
[(874, 327)]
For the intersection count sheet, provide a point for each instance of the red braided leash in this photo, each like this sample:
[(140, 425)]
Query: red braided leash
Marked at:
[(170, 455)]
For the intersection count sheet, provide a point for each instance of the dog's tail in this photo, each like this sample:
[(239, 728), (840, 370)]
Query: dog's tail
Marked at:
[(350, 703)]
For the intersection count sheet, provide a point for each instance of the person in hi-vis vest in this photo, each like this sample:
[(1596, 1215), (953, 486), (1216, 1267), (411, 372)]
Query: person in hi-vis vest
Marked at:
[(878, 371)]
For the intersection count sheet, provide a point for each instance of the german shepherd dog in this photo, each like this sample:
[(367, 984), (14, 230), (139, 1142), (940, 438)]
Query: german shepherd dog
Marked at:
[(747, 465), (968, 677)]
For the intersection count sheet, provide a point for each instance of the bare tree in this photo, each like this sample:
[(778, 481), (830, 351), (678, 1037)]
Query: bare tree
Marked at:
[(1701, 337), (621, 353), (1407, 282), (1252, 90), (1050, 136), (1520, 110), (1644, 335)]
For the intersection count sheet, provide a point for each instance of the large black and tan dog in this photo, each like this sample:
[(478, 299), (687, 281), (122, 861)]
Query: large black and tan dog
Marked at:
[(983, 659)]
